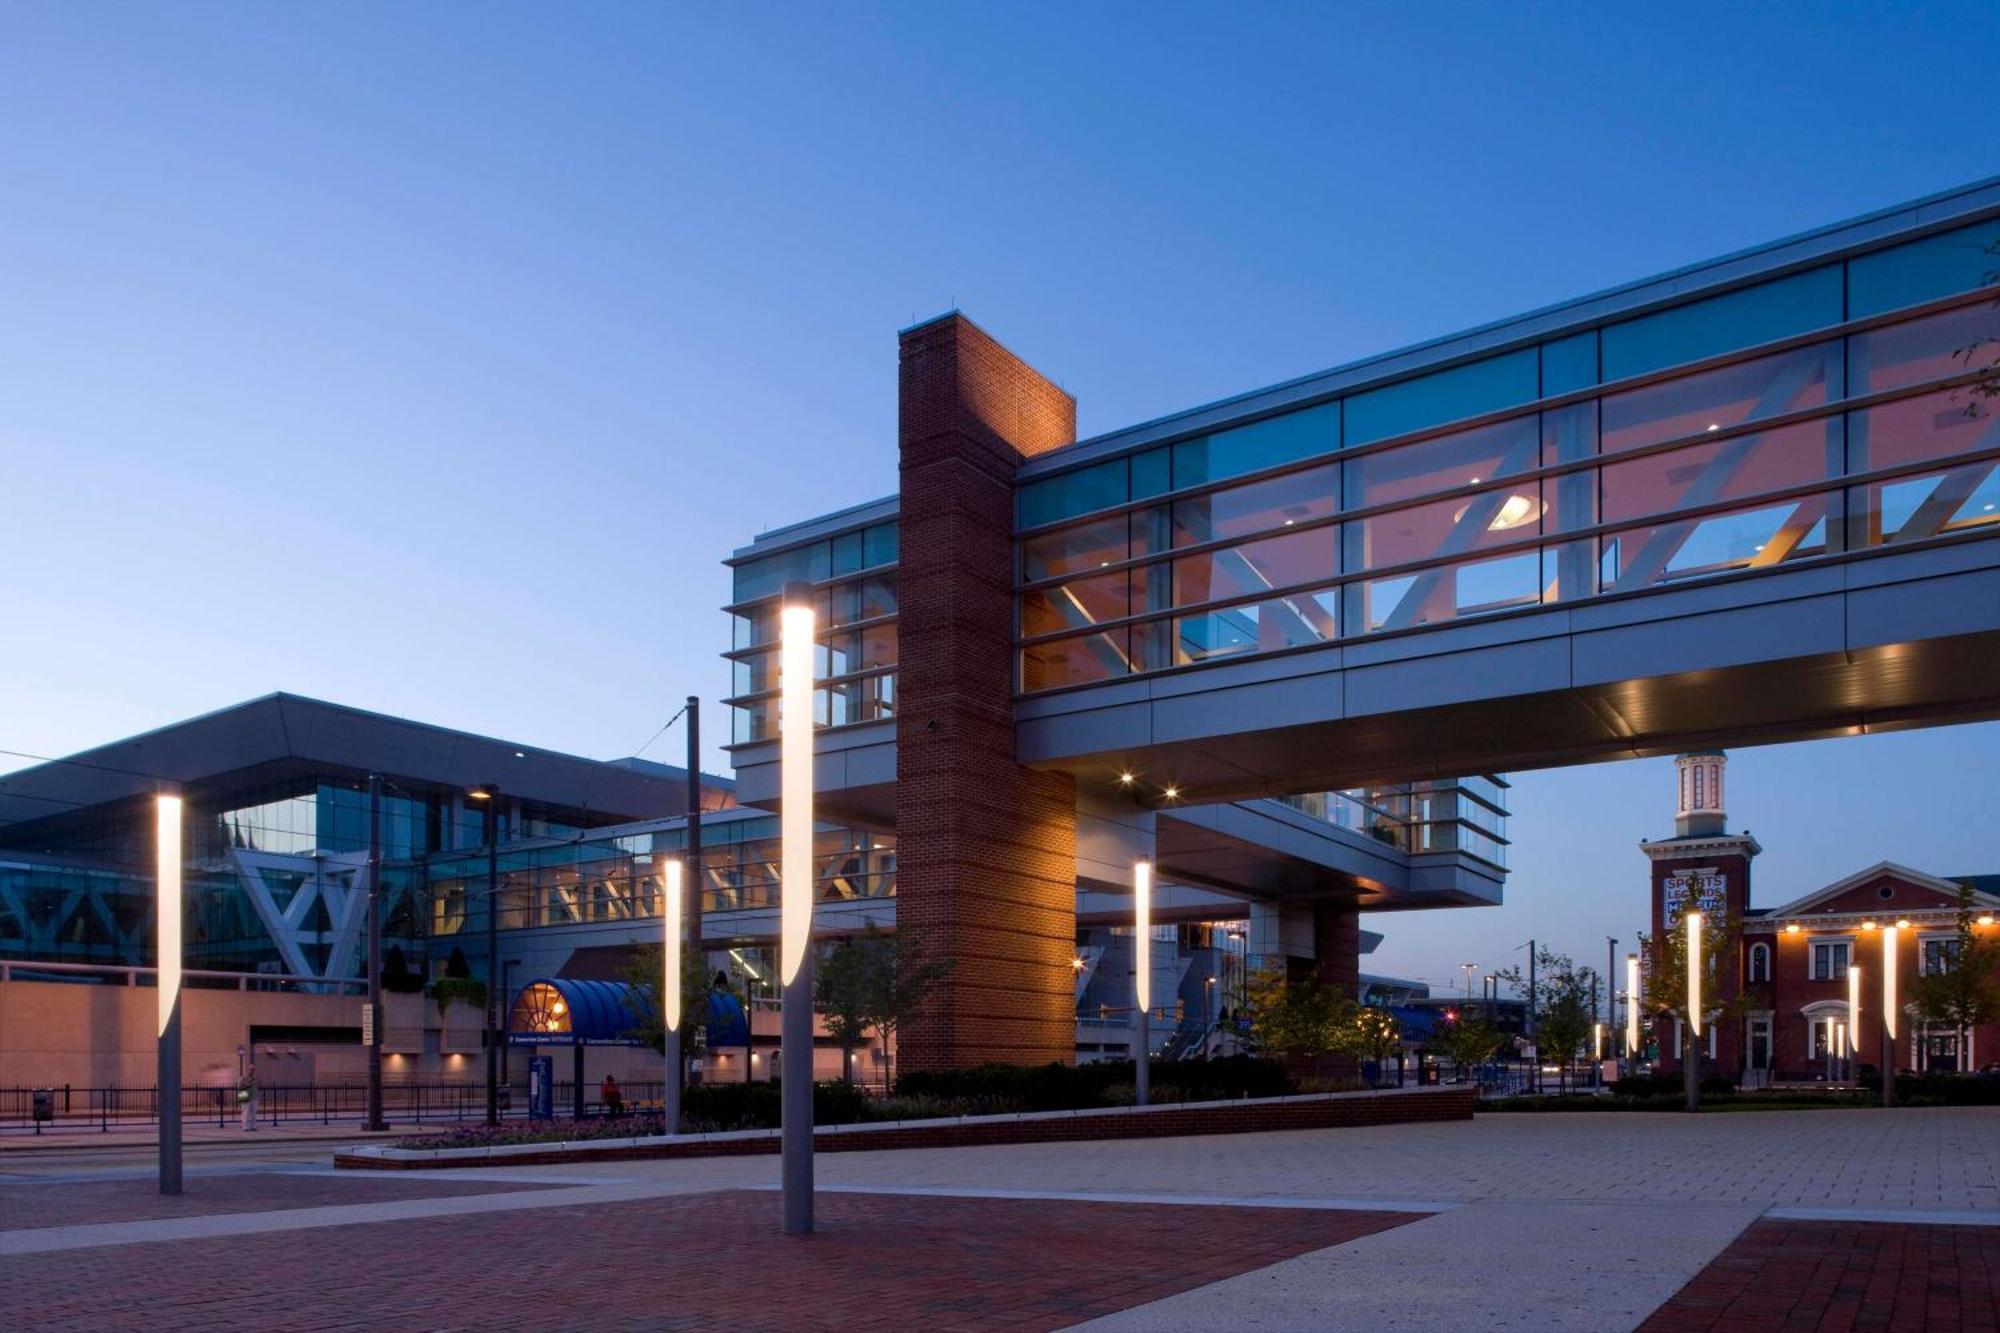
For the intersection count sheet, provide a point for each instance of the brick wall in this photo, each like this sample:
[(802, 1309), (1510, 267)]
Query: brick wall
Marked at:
[(986, 849), (1247, 1117)]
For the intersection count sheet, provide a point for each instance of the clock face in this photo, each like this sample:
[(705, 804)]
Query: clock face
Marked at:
[(1707, 889)]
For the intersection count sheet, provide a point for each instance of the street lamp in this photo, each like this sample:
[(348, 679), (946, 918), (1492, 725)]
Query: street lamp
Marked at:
[(1632, 1007), (488, 796), (1854, 1005), (670, 995), (1468, 969), (795, 881), (1694, 975), (168, 813), (1142, 979), (1889, 936)]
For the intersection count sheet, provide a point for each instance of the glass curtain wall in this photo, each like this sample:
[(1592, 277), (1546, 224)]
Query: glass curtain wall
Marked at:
[(1825, 411)]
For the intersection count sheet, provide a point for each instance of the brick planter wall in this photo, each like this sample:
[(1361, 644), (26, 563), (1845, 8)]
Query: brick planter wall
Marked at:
[(1328, 1111)]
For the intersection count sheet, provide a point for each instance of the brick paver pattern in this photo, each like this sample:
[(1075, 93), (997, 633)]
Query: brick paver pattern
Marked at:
[(69, 1203), (709, 1261), (1829, 1276)]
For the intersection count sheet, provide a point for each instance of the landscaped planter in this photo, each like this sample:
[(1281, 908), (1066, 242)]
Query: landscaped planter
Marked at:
[(1309, 1111)]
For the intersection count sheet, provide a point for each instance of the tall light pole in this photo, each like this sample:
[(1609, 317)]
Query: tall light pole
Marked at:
[(670, 995), (489, 796), (1854, 1011), (1631, 1006), (693, 858), (795, 834), (168, 813), (374, 1025), (1890, 934), (1468, 969), (1142, 981)]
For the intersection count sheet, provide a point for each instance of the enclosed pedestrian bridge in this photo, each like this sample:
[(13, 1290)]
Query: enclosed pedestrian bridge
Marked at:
[(1751, 500)]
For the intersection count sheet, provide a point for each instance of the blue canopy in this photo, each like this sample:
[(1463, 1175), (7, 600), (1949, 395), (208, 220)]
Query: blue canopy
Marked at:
[(563, 1011)]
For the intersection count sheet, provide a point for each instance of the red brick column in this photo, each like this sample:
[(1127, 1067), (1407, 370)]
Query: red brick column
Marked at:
[(985, 849), (1337, 935)]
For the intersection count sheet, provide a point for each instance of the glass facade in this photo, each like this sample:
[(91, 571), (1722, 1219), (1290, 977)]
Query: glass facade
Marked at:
[(1467, 815), (854, 598), (1810, 420)]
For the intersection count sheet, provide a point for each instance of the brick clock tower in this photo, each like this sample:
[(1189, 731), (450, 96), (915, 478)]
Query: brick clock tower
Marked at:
[(1705, 866)]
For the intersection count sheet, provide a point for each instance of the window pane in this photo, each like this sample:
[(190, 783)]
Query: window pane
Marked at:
[(1736, 468), (1924, 349), (1715, 399), (1076, 605), (1275, 562), (1152, 473), (1759, 314), (1258, 507), (846, 555), (877, 647), (1932, 425), (1090, 546), (768, 576), (1433, 596), (1444, 527), (1102, 656), (878, 545), (1963, 499), (1464, 459), (875, 597), (1447, 395), (1693, 548), (1097, 487), (1568, 364), (1258, 627), (1956, 261), (754, 674), (1262, 444)]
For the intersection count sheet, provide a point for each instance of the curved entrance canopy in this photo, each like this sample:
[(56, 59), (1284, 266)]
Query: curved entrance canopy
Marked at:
[(564, 1011)]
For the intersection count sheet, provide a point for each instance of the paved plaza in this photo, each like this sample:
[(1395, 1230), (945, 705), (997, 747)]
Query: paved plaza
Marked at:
[(1826, 1219)]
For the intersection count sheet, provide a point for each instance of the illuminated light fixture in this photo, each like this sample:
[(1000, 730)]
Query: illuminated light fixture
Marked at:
[(1854, 1000), (1142, 933), (1840, 1040), (1515, 511), (1889, 982), (1076, 964), (1632, 1004), (1694, 972), (167, 815), (1126, 779), (558, 1008), (1902, 923), (1597, 1035), (670, 990), (1715, 425), (795, 762), (481, 793), (1868, 925), (1986, 919), (1173, 793), (1791, 927)]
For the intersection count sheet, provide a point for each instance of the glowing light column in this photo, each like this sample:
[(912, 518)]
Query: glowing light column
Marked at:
[(1694, 975), (1631, 1006), (1142, 980), (1889, 937), (167, 816), (670, 992), (1853, 1011), (795, 833)]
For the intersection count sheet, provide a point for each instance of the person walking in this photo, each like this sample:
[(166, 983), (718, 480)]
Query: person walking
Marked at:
[(614, 1100), (246, 1096)]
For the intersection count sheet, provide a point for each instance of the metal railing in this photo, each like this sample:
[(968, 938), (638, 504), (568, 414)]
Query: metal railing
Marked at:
[(28, 969)]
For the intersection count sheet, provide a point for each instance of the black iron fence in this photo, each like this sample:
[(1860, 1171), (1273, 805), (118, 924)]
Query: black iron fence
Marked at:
[(69, 1109)]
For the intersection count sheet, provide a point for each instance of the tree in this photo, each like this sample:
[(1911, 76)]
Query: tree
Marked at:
[(642, 972), (1667, 987), (897, 978), (1563, 1001), (1368, 1032), (1301, 1016), (1965, 994), (842, 981), (1466, 1040)]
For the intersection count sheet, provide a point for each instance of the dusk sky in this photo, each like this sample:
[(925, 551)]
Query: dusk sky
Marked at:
[(431, 365)]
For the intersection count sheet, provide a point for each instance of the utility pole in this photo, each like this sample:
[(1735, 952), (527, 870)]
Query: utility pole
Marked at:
[(374, 1025)]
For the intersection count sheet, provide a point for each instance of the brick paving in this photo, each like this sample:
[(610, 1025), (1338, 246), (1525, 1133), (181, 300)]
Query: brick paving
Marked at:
[(709, 1261), (1829, 1276), (68, 1203)]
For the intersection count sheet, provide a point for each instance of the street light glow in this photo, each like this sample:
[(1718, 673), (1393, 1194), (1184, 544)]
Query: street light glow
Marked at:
[(1632, 1004), (1142, 933), (1889, 934), (1854, 1000), (670, 990), (795, 762), (167, 814), (1694, 972)]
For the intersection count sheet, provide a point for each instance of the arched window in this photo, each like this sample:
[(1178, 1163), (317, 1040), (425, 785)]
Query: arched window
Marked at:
[(1760, 963)]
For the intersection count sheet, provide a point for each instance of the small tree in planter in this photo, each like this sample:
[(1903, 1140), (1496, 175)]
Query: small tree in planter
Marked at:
[(1964, 995), (842, 982), (1562, 999), (1299, 1019), (896, 978), (1466, 1040), (1369, 1034), (1667, 988)]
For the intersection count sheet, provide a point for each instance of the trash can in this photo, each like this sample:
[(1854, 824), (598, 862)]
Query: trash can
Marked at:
[(1429, 1076), (45, 1107)]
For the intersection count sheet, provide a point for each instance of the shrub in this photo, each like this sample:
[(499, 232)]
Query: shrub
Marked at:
[(1059, 1087)]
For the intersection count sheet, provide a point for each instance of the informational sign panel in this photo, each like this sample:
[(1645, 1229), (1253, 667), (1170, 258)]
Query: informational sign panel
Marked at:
[(367, 1024), (541, 1087)]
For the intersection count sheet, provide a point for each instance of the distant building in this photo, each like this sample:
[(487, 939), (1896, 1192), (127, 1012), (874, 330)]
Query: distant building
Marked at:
[(1792, 961)]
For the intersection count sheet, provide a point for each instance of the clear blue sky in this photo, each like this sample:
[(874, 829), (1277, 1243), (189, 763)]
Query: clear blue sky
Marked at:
[(427, 357)]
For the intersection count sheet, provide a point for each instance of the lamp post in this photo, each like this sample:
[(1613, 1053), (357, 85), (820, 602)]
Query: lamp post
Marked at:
[(168, 812), (489, 796), (692, 907), (1142, 981), (1631, 1006), (795, 832), (1854, 1013), (670, 995), (1468, 969), (1890, 934), (375, 1123)]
